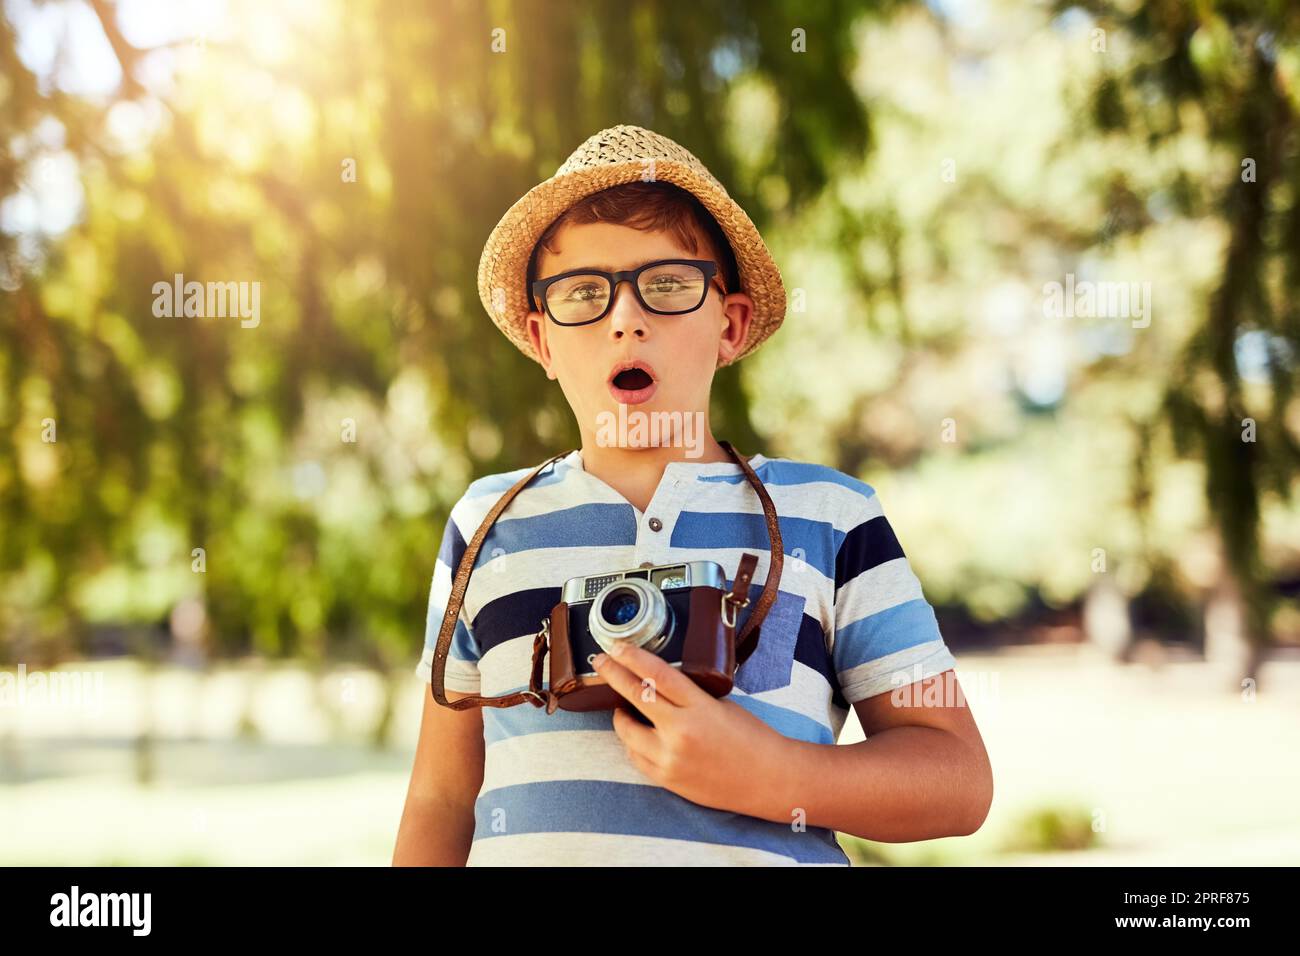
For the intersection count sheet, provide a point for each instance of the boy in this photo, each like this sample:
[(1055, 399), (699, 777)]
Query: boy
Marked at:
[(752, 778)]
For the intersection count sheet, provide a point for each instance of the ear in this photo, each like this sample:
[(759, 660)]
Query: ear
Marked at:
[(535, 322), (737, 312)]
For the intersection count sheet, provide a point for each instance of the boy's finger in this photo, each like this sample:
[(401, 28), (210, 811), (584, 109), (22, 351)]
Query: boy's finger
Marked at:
[(665, 680), (641, 741), (645, 695), (642, 762)]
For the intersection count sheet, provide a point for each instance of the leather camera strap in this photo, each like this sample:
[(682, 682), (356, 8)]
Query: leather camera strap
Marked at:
[(776, 554), (535, 693), (458, 586)]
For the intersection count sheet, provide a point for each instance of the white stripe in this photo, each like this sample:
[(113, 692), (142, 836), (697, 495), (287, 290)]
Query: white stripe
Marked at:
[(822, 501), (875, 589), (509, 665), (572, 489), (895, 670), (460, 675), (440, 587), (596, 755)]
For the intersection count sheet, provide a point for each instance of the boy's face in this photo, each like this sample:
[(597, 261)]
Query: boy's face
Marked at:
[(680, 352)]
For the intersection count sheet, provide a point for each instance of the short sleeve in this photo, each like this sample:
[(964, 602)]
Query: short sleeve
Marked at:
[(886, 634), (462, 672)]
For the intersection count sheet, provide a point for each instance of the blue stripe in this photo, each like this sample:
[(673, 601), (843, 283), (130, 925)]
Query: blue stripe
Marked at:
[(780, 471), (815, 542), (463, 646), (885, 632), (590, 526), (788, 723), (590, 806), (502, 723), (450, 551)]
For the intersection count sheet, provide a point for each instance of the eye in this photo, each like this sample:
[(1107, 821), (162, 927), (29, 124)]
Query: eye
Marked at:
[(585, 292), (664, 282)]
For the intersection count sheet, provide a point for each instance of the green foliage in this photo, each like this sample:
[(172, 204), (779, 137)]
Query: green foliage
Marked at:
[(182, 433), (921, 296)]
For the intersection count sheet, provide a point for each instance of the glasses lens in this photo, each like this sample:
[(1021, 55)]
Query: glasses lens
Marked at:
[(673, 287), (578, 298)]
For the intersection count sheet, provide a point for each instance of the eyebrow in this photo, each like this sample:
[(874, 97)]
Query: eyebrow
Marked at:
[(606, 267)]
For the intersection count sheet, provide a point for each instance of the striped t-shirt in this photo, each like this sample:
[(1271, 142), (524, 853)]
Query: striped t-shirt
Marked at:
[(849, 622)]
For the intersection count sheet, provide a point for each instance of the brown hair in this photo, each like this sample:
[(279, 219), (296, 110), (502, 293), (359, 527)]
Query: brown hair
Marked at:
[(648, 206)]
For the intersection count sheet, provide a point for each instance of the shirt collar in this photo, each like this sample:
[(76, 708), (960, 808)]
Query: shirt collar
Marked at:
[(686, 466)]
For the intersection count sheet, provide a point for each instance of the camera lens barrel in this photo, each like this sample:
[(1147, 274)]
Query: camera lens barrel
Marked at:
[(631, 610)]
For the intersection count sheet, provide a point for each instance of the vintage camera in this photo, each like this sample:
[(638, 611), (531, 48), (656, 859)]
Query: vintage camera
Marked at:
[(677, 611)]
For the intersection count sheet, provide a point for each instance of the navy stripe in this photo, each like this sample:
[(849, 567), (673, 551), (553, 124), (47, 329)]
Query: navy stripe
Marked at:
[(591, 806), (810, 651), (452, 547), (512, 615), (870, 544)]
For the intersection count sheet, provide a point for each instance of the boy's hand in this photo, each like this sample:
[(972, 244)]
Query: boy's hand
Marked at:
[(709, 750)]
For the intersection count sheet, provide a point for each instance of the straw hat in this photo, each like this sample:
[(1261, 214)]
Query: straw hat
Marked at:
[(621, 154)]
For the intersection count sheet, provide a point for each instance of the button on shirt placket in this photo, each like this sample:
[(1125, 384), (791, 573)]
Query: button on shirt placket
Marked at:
[(655, 528)]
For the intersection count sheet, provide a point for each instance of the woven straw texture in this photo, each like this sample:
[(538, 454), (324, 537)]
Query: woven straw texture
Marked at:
[(621, 154)]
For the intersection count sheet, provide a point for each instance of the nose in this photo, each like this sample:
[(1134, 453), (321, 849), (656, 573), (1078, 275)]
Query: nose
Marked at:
[(626, 317)]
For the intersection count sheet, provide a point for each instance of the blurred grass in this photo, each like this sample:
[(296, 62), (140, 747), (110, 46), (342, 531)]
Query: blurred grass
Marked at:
[(1054, 828)]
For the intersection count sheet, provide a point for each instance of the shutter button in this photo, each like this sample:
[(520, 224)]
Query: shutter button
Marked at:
[(655, 524)]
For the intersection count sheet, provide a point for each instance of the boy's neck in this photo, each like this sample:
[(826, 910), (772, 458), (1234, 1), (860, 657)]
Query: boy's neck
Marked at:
[(636, 472)]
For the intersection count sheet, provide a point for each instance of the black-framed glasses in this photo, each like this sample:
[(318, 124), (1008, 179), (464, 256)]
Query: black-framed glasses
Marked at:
[(664, 287)]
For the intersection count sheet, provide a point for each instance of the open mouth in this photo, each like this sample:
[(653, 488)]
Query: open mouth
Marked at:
[(633, 383), (632, 379)]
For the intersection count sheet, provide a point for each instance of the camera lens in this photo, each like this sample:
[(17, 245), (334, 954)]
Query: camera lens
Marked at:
[(633, 611), (621, 606)]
